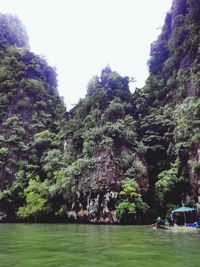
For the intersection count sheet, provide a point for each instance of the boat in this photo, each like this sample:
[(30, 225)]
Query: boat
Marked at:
[(160, 226), (176, 228), (184, 229), (187, 227)]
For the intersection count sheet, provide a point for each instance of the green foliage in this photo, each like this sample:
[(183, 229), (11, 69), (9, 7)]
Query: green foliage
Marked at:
[(43, 136), (131, 199), (159, 49), (195, 166), (12, 32), (67, 178), (130, 188), (115, 110), (3, 151), (5, 74), (16, 189), (125, 159), (62, 210), (109, 80), (34, 86), (48, 155), (30, 112), (167, 181), (126, 206), (167, 107), (187, 118), (93, 86), (36, 199), (52, 161)]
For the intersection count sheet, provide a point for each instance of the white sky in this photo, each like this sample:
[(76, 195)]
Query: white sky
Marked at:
[(80, 37)]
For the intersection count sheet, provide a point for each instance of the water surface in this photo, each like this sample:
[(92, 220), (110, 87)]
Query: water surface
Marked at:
[(60, 245)]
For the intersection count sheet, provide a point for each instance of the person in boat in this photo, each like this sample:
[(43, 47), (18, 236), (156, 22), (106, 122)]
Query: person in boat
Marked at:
[(166, 223), (158, 221), (157, 224), (173, 220)]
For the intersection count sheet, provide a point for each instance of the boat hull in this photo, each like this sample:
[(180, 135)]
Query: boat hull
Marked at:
[(183, 229)]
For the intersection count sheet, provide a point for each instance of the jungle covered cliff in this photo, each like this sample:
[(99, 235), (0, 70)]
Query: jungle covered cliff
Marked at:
[(116, 156)]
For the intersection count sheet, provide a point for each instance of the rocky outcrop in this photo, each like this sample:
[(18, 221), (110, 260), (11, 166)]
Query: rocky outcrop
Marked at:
[(96, 200), (174, 83), (74, 164), (194, 170), (95, 207), (28, 99)]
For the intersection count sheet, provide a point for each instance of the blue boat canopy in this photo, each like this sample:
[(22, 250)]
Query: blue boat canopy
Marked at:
[(184, 209)]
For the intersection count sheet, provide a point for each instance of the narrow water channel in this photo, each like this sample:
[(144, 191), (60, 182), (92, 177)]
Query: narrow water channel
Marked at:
[(60, 245)]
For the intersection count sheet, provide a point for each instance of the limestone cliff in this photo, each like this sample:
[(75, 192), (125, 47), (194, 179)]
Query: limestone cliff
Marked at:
[(116, 156), (172, 95)]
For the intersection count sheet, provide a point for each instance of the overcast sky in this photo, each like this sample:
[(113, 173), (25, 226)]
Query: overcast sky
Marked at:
[(80, 37)]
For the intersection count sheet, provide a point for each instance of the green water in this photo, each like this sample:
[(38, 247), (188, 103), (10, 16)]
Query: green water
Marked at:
[(59, 245)]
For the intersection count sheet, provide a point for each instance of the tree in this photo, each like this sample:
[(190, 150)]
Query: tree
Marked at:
[(131, 200), (36, 196)]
